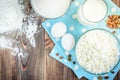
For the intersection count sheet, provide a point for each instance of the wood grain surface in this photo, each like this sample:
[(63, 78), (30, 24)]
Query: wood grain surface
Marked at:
[(39, 65)]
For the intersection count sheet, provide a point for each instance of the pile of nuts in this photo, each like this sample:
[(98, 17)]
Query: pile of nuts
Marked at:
[(113, 21)]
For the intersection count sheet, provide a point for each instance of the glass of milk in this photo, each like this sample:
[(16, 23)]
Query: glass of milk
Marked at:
[(92, 11), (50, 8)]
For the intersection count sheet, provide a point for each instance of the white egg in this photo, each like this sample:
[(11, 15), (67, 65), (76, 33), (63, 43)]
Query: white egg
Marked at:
[(51, 8), (68, 42), (58, 29)]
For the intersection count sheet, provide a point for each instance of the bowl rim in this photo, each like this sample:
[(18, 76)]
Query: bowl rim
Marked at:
[(113, 67), (34, 8)]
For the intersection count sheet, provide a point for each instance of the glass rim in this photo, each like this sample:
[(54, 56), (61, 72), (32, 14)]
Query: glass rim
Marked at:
[(94, 21)]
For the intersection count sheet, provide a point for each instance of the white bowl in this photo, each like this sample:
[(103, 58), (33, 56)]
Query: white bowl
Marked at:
[(50, 8)]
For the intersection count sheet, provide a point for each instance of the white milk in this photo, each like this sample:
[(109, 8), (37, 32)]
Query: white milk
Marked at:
[(51, 8), (92, 11)]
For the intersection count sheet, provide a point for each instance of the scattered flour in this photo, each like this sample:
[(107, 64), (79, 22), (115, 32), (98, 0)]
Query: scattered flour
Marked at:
[(10, 16), (9, 44), (5, 43), (30, 31)]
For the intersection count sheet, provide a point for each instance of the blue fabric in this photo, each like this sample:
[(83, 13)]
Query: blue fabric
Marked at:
[(77, 32)]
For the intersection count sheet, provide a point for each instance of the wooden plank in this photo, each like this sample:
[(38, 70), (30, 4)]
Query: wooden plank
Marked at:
[(117, 2), (35, 68), (7, 64), (39, 66), (0, 68)]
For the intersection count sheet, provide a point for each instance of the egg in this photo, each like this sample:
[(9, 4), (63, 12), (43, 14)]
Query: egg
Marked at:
[(68, 41), (58, 29), (51, 8)]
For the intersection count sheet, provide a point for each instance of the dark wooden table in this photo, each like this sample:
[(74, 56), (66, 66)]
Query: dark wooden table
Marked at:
[(40, 66)]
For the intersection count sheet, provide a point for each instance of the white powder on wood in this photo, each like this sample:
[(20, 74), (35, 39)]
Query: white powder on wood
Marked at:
[(97, 51), (10, 15), (10, 44), (30, 31), (5, 43)]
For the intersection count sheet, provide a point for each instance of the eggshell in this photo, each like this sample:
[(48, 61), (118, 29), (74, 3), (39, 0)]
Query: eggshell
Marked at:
[(68, 42), (58, 29)]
